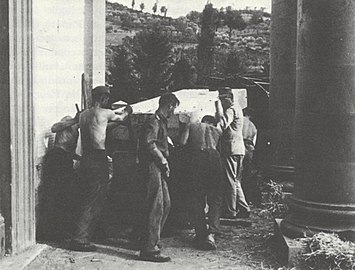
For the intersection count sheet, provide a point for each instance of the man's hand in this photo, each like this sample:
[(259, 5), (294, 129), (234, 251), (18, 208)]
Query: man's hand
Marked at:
[(166, 170), (184, 118)]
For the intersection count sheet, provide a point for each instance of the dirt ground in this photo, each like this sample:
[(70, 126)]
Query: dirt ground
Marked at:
[(239, 247)]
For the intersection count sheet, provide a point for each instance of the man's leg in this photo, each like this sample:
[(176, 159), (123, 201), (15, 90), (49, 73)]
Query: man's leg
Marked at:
[(230, 174), (155, 215), (215, 193), (93, 187), (242, 205), (166, 203)]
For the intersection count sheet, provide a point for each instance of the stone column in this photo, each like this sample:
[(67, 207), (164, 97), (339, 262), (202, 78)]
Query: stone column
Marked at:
[(324, 195), (94, 48), (282, 88)]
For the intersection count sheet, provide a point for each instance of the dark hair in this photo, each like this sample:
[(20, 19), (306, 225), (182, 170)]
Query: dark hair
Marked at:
[(128, 109), (100, 98), (209, 119), (248, 111), (168, 99)]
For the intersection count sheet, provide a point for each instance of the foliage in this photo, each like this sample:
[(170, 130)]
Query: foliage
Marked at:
[(153, 61), (233, 20), (328, 251), (133, 4), (127, 20), (183, 74), (256, 18), (155, 7), (274, 199), (163, 10), (123, 76), (142, 6), (230, 61), (205, 43), (194, 16)]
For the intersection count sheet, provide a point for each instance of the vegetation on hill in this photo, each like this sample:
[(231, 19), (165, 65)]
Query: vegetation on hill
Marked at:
[(149, 53)]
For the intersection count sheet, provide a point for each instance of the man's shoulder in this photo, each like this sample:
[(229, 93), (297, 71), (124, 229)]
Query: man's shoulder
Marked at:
[(152, 119)]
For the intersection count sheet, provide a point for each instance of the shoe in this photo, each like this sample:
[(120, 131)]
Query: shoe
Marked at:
[(242, 214), (207, 243), (85, 247), (154, 257)]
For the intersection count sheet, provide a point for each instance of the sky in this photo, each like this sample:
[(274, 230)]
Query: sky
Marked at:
[(178, 8)]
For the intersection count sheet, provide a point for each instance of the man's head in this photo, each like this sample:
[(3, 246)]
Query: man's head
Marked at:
[(101, 96), (168, 103), (128, 109), (248, 112), (209, 119), (226, 97)]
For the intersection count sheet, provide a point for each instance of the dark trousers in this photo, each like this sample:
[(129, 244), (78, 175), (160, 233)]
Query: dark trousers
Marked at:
[(157, 206), (234, 195), (56, 195), (92, 193), (249, 180), (207, 185)]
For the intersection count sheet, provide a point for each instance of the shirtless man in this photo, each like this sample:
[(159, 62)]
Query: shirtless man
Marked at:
[(59, 178), (94, 172)]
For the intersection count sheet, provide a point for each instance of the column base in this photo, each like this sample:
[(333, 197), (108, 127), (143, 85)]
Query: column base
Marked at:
[(307, 218)]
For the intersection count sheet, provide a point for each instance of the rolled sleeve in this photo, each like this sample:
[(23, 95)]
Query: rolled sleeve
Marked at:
[(150, 139), (226, 119)]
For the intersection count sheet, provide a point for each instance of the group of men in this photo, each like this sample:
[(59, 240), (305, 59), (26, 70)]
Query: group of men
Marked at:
[(217, 148)]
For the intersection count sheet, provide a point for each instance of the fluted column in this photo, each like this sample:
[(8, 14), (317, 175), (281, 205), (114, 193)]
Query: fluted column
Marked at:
[(282, 88), (324, 195)]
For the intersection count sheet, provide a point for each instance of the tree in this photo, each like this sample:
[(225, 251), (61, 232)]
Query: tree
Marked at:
[(155, 7), (257, 17), (205, 43), (123, 76), (235, 63), (153, 61), (194, 16), (164, 10), (233, 19), (182, 74), (141, 6), (133, 3)]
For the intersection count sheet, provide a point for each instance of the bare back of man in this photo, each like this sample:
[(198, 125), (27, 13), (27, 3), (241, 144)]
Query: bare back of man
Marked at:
[(67, 134), (93, 123)]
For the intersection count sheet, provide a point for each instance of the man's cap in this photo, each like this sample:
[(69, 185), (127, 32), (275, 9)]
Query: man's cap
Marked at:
[(98, 90), (225, 92)]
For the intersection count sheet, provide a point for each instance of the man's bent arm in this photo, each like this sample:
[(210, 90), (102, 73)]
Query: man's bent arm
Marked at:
[(226, 119), (151, 137)]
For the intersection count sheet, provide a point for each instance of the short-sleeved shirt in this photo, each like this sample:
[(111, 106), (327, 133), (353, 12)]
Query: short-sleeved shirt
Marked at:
[(155, 131)]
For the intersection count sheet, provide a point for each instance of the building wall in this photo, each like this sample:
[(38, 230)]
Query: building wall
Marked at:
[(58, 64)]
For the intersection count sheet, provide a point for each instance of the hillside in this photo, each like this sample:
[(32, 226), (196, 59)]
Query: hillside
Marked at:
[(251, 46)]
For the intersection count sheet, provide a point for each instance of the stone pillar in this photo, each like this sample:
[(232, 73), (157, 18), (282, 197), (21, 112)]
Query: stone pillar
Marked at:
[(94, 48), (282, 88), (324, 195)]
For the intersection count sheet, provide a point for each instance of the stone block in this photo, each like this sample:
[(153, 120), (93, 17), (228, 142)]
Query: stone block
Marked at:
[(286, 249)]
